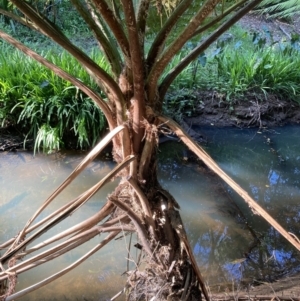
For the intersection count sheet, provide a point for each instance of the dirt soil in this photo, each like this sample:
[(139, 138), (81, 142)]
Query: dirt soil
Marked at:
[(252, 110)]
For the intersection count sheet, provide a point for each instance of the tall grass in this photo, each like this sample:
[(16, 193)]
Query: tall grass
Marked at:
[(45, 107), (53, 111), (268, 69), (245, 62)]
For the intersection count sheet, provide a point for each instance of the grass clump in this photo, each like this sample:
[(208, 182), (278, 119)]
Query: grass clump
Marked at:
[(260, 67), (239, 62), (44, 107)]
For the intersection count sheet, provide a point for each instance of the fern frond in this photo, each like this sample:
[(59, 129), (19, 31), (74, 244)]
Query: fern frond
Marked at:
[(279, 9)]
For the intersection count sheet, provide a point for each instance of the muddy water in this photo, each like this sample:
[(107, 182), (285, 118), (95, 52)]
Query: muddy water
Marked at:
[(230, 242)]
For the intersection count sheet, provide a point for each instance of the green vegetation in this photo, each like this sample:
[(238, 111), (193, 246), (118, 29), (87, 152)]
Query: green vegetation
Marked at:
[(253, 64), (53, 111), (61, 13), (279, 8), (240, 62), (45, 107)]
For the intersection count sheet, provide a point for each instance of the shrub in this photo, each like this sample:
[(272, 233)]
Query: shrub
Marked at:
[(43, 106)]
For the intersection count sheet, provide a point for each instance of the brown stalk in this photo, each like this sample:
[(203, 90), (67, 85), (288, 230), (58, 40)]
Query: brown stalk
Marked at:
[(63, 247), (51, 253), (112, 22), (121, 218), (108, 48), (82, 165), (145, 204), (126, 145), (56, 252), (150, 143), (137, 223), (30, 229), (137, 67), (196, 267), (60, 250), (159, 42), (162, 62), (176, 222), (219, 18), (93, 219), (198, 150), (141, 196), (16, 246), (64, 271), (142, 19), (46, 259), (164, 86), (87, 224)]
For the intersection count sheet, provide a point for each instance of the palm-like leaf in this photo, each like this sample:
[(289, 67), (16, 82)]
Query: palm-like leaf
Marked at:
[(279, 8)]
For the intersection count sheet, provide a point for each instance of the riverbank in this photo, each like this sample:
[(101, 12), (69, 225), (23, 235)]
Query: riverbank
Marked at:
[(211, 109), (10, 139), (287, 288), (249, 110)]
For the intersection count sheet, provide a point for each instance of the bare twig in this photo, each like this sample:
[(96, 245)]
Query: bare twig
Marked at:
[(117, 295)]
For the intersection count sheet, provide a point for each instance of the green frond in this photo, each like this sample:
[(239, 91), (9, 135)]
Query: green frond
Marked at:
[(279, 9)]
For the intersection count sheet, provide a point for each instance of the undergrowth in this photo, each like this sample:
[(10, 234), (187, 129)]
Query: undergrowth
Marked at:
[(239, 62), (45, 107), (53, 112)]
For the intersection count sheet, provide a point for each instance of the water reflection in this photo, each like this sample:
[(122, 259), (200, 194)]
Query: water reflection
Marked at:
[(264, 164), (26, 182), (229, 241)]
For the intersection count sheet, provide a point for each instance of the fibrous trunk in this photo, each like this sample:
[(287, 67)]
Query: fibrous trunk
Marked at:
[(165, 268)]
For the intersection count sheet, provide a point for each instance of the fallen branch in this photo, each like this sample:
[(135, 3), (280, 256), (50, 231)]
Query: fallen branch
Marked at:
[(198, 150), (81, 166), (64, 271), (82, 199)]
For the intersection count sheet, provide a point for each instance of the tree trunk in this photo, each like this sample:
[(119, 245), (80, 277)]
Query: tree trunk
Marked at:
[(166, 268)]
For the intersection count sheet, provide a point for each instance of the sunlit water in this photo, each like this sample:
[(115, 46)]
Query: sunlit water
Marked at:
[(265, 164)]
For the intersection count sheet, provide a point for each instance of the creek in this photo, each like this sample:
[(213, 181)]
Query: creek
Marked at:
[(231, 243)]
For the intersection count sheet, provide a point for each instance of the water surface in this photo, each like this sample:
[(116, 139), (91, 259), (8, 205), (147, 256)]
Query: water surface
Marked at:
[(230, 242)]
